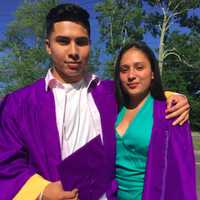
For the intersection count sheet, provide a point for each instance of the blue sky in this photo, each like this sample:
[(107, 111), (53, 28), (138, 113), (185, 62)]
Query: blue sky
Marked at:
[(8, 8)]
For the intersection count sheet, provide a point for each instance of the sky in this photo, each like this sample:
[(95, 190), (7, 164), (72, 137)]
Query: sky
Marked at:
[(8, 8)]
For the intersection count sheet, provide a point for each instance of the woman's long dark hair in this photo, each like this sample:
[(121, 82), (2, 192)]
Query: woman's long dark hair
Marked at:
[(156, 88)]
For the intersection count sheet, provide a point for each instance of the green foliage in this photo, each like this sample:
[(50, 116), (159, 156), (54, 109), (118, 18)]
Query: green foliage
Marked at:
[(184, 76), (194, 114), (94, 63), (188, 68), (120, 22)]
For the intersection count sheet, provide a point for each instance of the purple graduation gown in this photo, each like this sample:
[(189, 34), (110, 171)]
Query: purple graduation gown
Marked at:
[(29, 144), (170, 170), (29, 139)]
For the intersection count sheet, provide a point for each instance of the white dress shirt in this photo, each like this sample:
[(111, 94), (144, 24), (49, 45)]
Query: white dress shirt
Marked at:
[(77, 117)]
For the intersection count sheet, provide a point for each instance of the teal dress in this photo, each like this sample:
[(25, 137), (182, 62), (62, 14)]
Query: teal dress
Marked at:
[(131, 152)]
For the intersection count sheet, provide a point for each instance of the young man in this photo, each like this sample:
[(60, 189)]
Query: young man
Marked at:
[(46, 122)]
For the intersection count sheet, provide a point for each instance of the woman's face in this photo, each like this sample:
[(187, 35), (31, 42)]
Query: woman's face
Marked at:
[(135, 73)]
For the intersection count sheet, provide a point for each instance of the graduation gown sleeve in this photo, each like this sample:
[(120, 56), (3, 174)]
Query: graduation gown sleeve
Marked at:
[(16, 174)]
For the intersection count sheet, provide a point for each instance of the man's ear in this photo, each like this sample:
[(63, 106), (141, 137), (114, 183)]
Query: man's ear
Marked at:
[(47, 45)]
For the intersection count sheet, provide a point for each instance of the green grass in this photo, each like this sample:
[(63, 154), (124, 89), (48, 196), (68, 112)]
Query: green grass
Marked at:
[(196, 145), (196, 142), (194, 133)]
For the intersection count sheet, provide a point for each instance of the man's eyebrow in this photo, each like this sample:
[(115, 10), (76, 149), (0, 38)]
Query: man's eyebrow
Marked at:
[(61, 37), (67, 37)]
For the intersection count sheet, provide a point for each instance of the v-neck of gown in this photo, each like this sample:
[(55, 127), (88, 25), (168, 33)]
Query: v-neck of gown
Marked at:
[(131, 151), (134, 120)]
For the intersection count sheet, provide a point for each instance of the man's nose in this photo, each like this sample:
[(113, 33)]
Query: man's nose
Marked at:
[(73, 51)]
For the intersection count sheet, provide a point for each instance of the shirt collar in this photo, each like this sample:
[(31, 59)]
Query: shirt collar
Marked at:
[(51, 82)]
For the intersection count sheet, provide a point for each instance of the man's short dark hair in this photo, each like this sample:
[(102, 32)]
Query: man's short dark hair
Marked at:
[(67, 12)]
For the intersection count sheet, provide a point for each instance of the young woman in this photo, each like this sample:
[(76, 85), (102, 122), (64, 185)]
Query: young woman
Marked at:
[(154, 159)]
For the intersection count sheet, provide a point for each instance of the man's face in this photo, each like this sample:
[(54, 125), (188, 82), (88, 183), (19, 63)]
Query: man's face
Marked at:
[(69, 46)]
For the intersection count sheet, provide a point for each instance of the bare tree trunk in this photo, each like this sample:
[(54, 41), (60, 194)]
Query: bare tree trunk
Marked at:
[(162, 44)]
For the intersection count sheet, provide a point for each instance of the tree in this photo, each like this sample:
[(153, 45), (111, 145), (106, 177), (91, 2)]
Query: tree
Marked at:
[(184, 78), (120, 21), (179, 50), (161, 23)]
